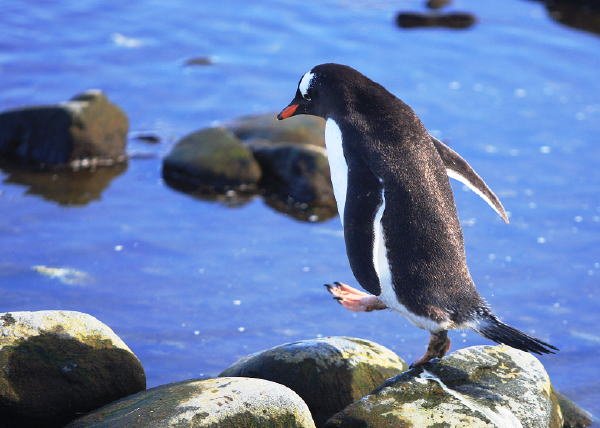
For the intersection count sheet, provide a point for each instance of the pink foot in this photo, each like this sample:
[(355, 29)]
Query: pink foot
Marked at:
[(353, 299)]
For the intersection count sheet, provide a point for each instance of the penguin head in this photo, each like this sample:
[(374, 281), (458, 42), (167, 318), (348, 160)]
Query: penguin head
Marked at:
[(321, 91)]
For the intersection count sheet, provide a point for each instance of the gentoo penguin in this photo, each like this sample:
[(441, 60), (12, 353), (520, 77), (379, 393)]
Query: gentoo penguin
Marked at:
[(403, 238)]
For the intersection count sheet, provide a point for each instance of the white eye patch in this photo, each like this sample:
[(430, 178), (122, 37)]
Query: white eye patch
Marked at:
[(305, 83)]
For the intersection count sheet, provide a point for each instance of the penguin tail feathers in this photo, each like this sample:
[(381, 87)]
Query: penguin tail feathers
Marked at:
[(491, 327)]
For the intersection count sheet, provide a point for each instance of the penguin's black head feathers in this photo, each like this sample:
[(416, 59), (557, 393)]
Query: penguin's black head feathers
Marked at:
[(328, 89)]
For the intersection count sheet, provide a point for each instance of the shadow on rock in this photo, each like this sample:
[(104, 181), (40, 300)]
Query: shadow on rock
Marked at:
[(580, 14), (66, 187), (49, 379)]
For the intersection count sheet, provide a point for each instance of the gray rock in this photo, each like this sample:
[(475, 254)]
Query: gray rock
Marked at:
[(298, 129), (86, 131), (210, 161), (573, 415), (328, 373), (56, 365), (296, 178), (481, 386), (224, 402)]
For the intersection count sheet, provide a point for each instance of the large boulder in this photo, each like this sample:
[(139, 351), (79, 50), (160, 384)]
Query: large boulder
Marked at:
[(56, 365), (296, 178), (328, 373), (301, 129), (224, 402), (211, 160), (86, 131), (480, 386)]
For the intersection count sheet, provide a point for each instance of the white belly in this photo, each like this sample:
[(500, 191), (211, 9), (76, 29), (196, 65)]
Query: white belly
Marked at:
[(337, 164)]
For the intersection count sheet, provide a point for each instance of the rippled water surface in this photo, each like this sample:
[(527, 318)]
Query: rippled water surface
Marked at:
[(192, 285)]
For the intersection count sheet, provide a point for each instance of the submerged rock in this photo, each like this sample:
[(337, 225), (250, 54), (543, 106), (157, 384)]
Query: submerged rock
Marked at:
[(209, 161), (56, 365), (477, 387), (86, 131), (437, 4), (65, 187), (328, 373), (456, 20), (223, 402), (297, 176), (298, 129)]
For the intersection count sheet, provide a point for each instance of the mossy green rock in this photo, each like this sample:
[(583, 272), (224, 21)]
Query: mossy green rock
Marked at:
[(328, 373), (86, 131), (214, 403), (296, 178), (56, 365), (300, 129), (482, 386), (211, 160)]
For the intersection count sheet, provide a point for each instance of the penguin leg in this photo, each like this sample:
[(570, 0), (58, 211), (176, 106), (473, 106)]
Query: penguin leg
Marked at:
[(353, 299), (439, 344)]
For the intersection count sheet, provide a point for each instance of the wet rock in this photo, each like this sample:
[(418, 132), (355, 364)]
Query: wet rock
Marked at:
[(298, 129), (573, 415), (457, 20), (297, 177), (148, 138), (328, 373), (476, 387), (580, 14), (199, 60), (65, 187), (209, 161), (223, 402), (437, 4), (56, 365), (86, 131)]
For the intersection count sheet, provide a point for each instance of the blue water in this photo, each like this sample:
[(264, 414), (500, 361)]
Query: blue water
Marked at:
[(192, 285)]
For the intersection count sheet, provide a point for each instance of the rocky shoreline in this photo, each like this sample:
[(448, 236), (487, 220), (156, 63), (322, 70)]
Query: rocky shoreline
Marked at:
[(62, 367)]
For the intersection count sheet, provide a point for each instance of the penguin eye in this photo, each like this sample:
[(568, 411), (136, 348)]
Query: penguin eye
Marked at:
[(307, 97)]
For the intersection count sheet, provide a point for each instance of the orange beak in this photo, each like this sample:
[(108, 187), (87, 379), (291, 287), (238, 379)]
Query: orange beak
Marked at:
[(287, 112)]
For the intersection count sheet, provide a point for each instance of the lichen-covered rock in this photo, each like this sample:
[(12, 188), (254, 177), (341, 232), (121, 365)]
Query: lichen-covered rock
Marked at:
[(328, 373), (301, 129), (56, 365), (482, 386), (86, 131), (211, 160), (222, 402), (297, 176), (573, 415)]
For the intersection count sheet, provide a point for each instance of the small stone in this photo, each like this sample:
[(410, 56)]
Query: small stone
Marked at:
[(457, 20)]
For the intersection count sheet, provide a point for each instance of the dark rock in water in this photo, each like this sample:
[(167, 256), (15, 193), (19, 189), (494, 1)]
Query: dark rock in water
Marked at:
[(148, 138), (86, 131), (437, 4), (580, 14), (456, 20), (478, 386), (328, 373), (66, 187), (211, 161), (199, 60), (573, 415), (297, 176), (57, 365), (210, 403), (298, 129)]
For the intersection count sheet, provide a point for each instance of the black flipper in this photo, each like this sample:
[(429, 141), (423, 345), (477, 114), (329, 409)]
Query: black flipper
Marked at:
[(459, 169)]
